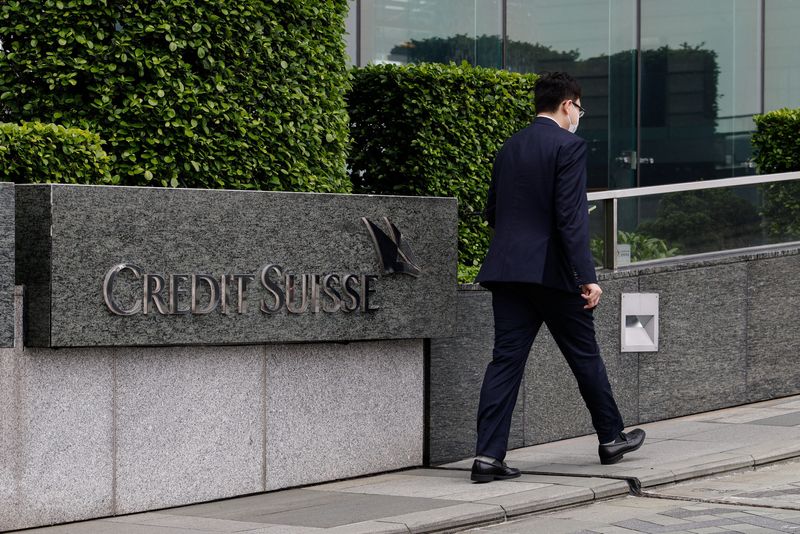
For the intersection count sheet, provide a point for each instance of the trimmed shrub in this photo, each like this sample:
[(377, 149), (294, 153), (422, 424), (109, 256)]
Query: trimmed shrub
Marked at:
[(223, 93), (34, 152), (467, 273), (777, 149), (431, 129)]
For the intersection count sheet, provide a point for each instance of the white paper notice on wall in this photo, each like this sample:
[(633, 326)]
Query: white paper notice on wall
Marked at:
[(623, 255)]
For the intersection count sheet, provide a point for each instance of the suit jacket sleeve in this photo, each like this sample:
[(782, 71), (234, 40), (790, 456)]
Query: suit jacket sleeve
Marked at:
[(572, 210)]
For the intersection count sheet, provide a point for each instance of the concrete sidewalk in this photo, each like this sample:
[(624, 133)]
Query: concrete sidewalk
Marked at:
[(429, 500)]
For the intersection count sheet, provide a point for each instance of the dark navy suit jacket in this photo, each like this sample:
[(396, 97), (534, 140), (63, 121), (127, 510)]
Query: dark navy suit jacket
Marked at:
[(537, 206)]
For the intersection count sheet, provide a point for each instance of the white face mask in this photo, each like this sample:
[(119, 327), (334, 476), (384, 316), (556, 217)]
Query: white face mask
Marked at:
[(573, 127)]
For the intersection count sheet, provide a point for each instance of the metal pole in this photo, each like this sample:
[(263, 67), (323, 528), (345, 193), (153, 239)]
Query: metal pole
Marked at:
[(358, 34), (610, 234), (763, 44), (504, 30)]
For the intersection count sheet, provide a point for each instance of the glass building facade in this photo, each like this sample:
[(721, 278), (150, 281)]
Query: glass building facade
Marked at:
[(670, 86)]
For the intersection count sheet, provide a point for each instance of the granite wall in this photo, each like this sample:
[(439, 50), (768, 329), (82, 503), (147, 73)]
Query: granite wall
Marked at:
[(6, 264), (196, 266), (728, 336), (94, 432)]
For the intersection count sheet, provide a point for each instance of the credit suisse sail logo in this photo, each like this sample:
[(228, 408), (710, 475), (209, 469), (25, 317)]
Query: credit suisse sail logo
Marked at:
[(393, 251), (130, 290)]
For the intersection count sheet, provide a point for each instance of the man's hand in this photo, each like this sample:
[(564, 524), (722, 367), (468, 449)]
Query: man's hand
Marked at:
[(591, 293)]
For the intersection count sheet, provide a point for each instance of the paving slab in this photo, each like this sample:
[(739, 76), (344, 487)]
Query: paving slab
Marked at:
[(743, 415), (243, 508), (601, 487), (647, 476), (107, 527), (209, 524), (450, 517), (661, 430), (515, 504), (370, 527), (787, 419), (280, 529), (766, 453), (583, 518), (744, 434), (457, 487), (777, 486), (708, 465), (317, 508), (632, 515)]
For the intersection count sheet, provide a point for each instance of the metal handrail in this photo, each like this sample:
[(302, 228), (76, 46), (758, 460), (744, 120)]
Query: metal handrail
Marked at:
[(693, 186), (610, 198)]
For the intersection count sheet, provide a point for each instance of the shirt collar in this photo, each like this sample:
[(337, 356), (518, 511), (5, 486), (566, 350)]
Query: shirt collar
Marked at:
[(548, 118)]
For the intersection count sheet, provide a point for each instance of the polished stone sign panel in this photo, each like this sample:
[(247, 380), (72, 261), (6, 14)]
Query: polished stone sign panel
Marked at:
[(6, 265), (144, 266)]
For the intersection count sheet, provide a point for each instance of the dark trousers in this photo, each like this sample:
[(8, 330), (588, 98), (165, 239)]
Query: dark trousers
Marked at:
[(519, 311)]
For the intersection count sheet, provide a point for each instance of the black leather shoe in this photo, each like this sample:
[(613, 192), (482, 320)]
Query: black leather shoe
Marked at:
[(625, 443), (497, 470)]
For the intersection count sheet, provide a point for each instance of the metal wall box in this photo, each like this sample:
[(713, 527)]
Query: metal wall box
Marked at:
[(131, 266), (639, 322)]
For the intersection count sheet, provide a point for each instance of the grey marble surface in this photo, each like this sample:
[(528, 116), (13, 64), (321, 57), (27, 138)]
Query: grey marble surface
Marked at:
[(57, 445), (183, 231), (456, 375), (772, 328), (340, 410), (702, 359), (553, 405), (33, 255), (189, 425), (7, 265)]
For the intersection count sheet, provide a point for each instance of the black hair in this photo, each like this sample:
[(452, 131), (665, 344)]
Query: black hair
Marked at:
[(552, 88)]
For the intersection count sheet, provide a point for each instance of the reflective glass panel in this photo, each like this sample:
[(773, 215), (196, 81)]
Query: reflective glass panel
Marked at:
[(711, 220), (351, 33), (594, 41), (596, 231), (699, 89), (413, 31), (782, 56)]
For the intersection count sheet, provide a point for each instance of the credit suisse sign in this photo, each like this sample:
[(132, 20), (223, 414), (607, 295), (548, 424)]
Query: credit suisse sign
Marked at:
[(175, 267)]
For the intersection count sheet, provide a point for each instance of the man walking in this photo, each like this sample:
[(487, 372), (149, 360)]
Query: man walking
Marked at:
[(539, 269)]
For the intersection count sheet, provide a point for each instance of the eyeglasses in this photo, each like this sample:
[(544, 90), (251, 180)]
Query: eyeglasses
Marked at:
[(581, 111)]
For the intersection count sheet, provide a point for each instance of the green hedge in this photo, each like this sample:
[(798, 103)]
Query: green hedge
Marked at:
[(777, 149), (34, 152), (431, 129), (203, 93)]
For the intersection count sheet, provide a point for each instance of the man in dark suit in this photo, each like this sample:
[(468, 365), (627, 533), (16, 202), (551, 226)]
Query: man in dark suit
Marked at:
[(539, 269)]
